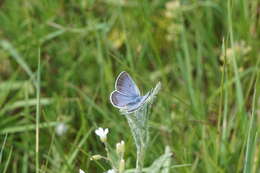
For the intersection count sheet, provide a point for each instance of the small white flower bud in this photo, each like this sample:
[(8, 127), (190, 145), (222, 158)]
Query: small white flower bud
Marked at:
[(120, 147), (121, 165), (96, 157)]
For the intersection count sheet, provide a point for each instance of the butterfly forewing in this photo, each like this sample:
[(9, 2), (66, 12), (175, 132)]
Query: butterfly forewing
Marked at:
[(126, 85)]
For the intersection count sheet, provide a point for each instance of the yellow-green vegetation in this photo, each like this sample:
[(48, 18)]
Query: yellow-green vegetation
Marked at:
[(58, 64)]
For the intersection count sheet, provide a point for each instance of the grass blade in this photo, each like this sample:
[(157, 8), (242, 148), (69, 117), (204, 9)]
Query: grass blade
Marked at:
[(2, 149), (37, 113), (251, 137)]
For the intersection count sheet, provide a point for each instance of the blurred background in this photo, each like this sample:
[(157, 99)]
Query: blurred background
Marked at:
[(205, 53)]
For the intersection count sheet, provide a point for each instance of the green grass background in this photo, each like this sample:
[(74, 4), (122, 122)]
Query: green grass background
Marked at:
[(207, 111)]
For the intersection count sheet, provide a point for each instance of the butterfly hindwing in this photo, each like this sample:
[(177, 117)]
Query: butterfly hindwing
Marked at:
[(120, 100), (126, 85)]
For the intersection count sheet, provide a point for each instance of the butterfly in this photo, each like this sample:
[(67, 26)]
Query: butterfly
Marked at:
[(127, 96)]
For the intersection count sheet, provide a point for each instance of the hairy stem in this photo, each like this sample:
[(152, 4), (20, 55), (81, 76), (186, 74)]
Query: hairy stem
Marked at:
[(140, 159)]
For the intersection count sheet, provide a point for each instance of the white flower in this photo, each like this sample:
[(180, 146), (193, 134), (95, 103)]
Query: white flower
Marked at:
[(81, 171), (120, 147), (61, 129), (111, 171), (102, 133)]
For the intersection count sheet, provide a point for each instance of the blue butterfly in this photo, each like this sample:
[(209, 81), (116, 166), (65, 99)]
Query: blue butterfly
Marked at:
[(127, 96)]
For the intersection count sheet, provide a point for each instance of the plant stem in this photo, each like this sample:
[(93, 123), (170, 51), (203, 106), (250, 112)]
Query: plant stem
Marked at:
[(140, 159), (108, 156)]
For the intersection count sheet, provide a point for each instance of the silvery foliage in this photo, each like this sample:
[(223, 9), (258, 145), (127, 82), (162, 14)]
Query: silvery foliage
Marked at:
[(138, 123)]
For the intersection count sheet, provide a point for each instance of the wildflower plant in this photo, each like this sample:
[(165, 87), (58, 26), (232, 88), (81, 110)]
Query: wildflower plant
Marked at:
[(136, 109), (138, 123)]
